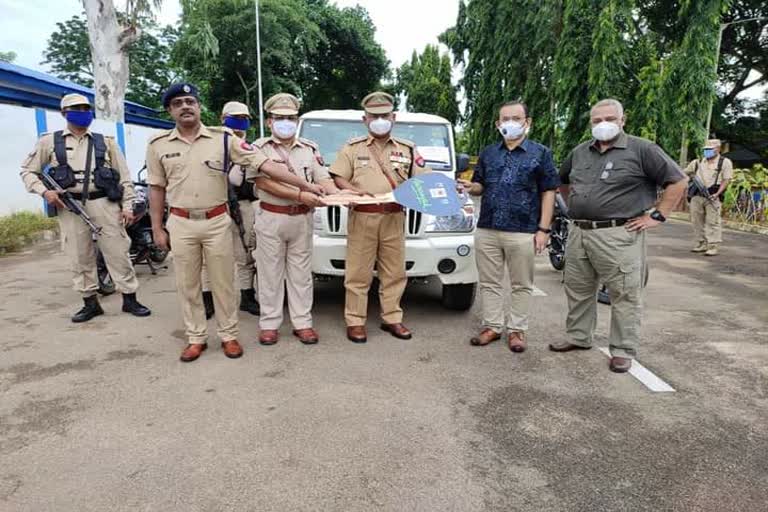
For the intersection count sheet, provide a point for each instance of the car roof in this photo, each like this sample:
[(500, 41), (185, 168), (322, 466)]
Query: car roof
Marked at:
[(356, 115)]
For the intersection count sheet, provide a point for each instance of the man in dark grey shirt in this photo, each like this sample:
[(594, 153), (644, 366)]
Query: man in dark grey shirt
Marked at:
[(611, 185)]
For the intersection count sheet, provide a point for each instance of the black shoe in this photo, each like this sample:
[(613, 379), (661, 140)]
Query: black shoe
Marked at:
[(132, 306), (208, 303), (90, 310), (248, 302)]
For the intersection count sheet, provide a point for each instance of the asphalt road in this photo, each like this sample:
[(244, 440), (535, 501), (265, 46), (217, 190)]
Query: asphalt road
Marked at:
[(103, 416)]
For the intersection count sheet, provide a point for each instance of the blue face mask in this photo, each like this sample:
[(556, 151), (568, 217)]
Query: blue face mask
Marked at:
[(709, 153), (82, 118), (237, 123)]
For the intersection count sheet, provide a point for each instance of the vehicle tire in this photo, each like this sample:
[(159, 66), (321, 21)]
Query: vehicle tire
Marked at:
[(459, 297), (557, 260), (106, 285)]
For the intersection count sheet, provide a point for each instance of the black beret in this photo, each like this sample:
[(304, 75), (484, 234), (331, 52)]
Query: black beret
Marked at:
[(181, 89)]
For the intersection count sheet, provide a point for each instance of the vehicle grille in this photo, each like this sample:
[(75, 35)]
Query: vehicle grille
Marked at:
[(334, 219), (413, 220)]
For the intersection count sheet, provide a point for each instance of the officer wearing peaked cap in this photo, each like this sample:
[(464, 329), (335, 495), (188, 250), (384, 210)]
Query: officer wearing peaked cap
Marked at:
[(283, 224), (93, 169), (376, 164), (189, 167)]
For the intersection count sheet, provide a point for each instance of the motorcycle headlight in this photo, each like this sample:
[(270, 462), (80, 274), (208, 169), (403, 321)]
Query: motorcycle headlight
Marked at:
[(462, 222)]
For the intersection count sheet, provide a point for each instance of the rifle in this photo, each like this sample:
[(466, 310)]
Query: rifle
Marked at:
[(70, 202), (234, 205), (697, 188)]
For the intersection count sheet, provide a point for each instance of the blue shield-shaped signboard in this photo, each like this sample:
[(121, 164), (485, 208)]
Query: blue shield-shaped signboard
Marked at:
[(432, 193)]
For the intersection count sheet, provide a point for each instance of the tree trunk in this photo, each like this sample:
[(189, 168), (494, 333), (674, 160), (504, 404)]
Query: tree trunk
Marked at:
[(109, 42)]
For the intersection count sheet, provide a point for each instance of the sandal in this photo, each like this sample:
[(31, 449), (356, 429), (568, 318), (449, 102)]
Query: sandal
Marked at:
[(485, 337)]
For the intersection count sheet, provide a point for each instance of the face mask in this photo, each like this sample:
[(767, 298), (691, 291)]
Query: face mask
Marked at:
[(511, 130), (237, 123), (709, 153), (380, 126), (82, 118), (284, 128), (605, 131)]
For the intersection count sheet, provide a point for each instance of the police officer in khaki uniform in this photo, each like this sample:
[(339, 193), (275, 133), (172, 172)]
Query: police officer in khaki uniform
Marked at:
[(376, 164), (75, 143), (284, 224), (237, 117), (611, 185), (188, 165), (715, 171)]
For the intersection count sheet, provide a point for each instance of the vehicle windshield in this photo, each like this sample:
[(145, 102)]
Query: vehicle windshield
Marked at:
[(432, 140)]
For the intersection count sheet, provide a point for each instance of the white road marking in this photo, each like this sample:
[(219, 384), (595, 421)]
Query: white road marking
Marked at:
[(538, 292), (645, 376)]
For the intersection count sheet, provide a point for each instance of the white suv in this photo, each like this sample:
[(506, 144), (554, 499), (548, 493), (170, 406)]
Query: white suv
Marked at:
[(434, 246)]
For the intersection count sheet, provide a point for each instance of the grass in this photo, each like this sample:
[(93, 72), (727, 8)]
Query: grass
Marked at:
[(18, 229)]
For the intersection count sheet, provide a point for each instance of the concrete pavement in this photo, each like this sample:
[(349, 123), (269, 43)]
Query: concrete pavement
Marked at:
[(103, 416)]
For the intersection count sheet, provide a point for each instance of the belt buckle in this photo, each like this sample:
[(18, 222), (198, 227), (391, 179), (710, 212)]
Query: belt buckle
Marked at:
[(197, 214)]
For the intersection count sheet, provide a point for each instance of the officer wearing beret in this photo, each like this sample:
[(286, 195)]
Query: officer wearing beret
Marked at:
[(237, 117), (284, 224), (74, 154), (189, 167), (376, 164)]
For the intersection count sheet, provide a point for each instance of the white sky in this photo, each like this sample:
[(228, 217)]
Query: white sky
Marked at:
[(401, 25)]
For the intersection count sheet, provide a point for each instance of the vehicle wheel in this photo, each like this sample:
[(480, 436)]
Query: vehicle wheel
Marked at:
[(557, 260), (459, 297), (106, 285)]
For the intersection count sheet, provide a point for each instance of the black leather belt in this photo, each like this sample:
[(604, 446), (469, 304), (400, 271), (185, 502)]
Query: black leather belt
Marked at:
[(91, 195), (599, 224)]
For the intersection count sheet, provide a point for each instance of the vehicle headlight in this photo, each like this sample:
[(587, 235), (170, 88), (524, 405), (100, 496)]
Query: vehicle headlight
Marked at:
[(462, 222), (317, 219)]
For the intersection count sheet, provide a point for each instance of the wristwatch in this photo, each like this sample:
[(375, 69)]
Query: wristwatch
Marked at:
[(543, 230), (657, 216)]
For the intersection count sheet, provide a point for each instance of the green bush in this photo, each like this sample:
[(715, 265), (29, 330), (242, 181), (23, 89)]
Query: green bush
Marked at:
[(18, 228), (740, 203)]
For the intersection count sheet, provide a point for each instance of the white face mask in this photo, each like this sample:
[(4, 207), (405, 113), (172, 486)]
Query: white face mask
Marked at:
[(284, 128), (511, 130), (605, 131), (380, 126)]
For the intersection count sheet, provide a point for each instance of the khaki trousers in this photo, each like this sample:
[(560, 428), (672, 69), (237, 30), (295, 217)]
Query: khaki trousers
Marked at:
[(77, 243), (245, 270), (191, 241), (515, 252), (707, 221), (616, 257), (374, 238), (284, 255)]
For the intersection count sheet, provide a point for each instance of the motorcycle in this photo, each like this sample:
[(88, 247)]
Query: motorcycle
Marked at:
[(559, 237), (143, 250)]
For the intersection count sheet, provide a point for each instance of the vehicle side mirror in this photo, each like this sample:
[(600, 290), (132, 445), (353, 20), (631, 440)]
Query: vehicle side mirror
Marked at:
[(462, 162)]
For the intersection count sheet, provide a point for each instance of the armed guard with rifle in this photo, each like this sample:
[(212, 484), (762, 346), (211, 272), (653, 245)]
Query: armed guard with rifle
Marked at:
[(709, 177), (241, 196), (85, 180)]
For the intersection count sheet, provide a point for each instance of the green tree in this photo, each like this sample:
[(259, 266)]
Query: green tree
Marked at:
[(68, 57), (325, 55), (7, 56), (426, 82)]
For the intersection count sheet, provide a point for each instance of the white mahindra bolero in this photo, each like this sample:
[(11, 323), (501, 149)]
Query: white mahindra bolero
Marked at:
[(434, 246)]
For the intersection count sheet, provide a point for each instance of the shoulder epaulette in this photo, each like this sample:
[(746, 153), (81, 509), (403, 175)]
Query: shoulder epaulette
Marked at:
[(260, 143), (356, 140), (405, 142), (164, 133), (310, 143)]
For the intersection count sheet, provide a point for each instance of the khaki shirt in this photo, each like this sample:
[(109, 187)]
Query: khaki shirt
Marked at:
[(619, 183), (357, 162), (707, 170), (304, 160), (77, 148), (193, 173)]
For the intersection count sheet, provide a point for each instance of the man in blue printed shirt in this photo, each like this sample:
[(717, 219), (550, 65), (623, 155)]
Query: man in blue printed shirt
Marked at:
[(517, 180)]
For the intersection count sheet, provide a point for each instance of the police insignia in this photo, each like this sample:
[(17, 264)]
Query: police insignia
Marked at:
[(246, 146), (420, 161), (186, 88)]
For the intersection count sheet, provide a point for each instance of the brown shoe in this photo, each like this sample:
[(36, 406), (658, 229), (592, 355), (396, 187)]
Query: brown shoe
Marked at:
[(193, 351), (307, 336), (516, 342), (357, 334), (397, 330), (485, 337), (565, 346), (620, 364), (268, 336), (232, 349)]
